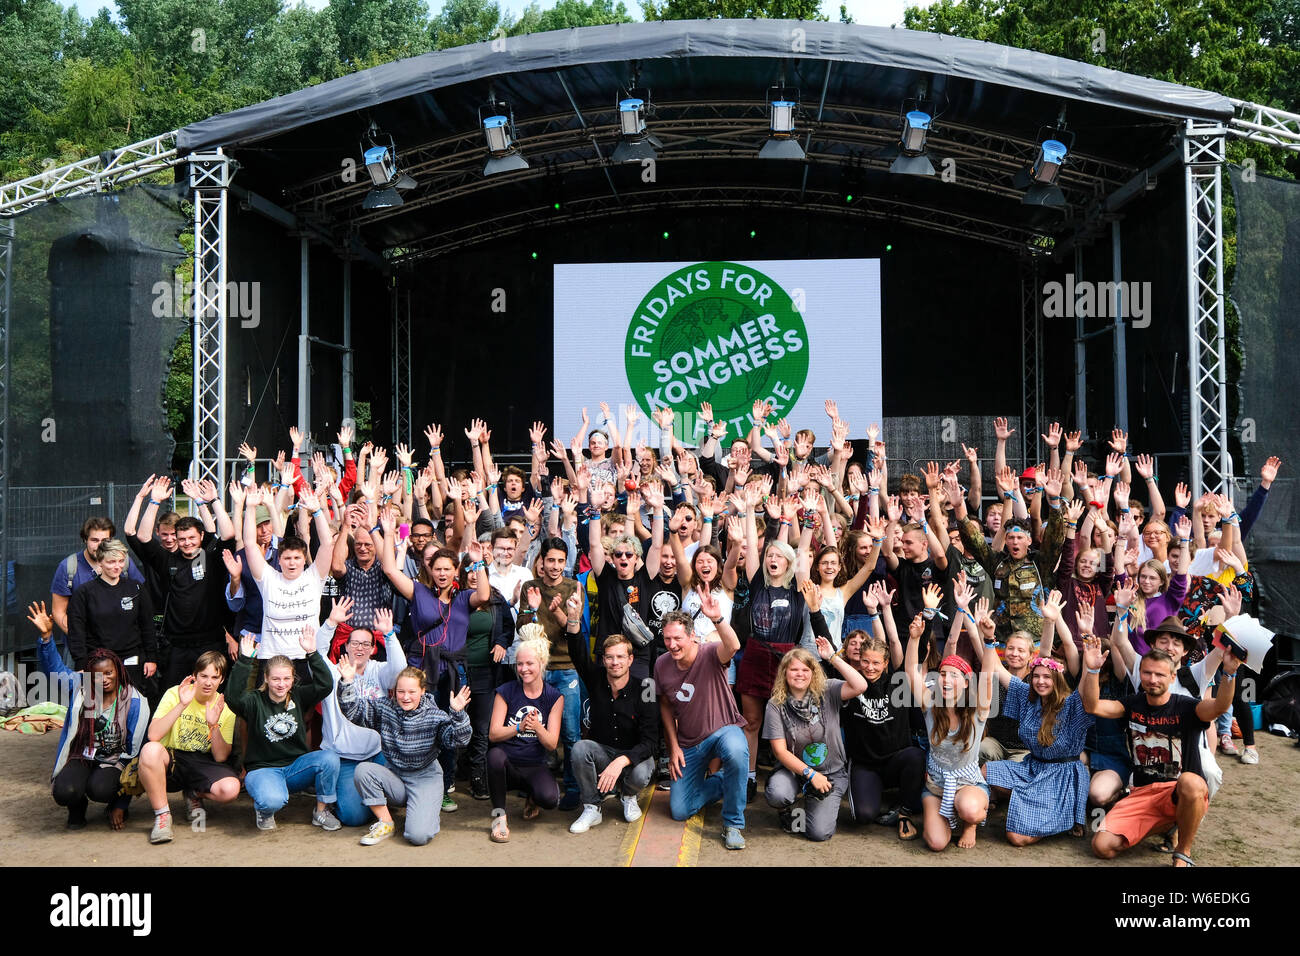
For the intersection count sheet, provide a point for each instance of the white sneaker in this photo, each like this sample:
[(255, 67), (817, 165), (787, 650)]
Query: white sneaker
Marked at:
[(590, 817), (1250, 755), (631, 809)]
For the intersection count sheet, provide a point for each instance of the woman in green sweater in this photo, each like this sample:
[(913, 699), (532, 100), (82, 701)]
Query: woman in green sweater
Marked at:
[(277, 758)]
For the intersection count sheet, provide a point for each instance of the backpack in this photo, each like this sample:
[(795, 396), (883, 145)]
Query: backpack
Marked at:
[(70, 569), (1281, 701)]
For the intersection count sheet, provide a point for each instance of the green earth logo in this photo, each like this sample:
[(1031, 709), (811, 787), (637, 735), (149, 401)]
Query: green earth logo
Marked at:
[(721, 333)]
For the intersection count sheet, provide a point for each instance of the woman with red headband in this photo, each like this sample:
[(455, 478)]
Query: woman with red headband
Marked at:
[(1049, 789), (955, 713)]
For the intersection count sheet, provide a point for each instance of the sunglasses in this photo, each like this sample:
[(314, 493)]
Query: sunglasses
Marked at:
[(624, 554)]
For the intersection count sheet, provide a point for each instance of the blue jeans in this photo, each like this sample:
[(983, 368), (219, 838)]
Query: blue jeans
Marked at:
[(351, 811), (693, 791), (568, 684), (270, 786)]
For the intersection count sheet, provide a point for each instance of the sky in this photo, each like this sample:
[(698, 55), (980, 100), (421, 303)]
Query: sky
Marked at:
[(881, 13)]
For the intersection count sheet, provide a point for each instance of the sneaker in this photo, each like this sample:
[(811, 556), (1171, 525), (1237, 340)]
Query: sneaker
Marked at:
[(631, 809), (570, 801), (591, 817), (732, 838), (751, 791), (380, 831), (193, 803), (325, 820), (1227, 746), (478, 788), (162, 828), (451, 787), (265, 821), (448, 804), (1250, 755), (787, 820)]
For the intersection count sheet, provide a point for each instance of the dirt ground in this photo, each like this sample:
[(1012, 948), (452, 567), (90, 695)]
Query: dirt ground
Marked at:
[(1254, 821)]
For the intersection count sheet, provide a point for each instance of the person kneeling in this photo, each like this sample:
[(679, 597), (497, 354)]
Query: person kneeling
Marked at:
[(622, 727), (412, 729), (277, 758), (189, 742)]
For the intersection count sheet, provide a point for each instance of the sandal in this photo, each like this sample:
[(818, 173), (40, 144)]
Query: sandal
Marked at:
[(531, 810), (1184, 858), (500, 832), (1166, 845), (1077, 830), (907, 830)]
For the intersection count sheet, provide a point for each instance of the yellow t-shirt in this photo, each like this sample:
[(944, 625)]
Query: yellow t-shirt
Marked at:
[(190, 731)]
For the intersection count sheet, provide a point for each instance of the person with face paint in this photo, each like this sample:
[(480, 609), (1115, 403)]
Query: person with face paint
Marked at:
[(277, 759), (103, 731), (1021, 577), (114, 613), (195, 611), (956, 711), (190, 741), (413, 730), (1049, 788)]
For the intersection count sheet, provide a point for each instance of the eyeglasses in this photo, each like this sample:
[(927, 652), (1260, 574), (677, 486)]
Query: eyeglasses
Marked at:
[(420, 535), (361, 644), (624, 554)]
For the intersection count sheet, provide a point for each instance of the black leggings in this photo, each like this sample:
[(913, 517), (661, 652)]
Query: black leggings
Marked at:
[(537, 779), (1241, 708), (481, 700), (904, 770), (80, 780)]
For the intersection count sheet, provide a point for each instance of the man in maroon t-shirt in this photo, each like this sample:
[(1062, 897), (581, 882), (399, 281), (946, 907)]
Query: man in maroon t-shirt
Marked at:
[(700, 721)]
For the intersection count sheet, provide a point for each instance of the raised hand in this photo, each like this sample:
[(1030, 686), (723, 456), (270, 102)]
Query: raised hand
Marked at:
[(1050, 607), (1114, 463), (1073, 442), (1001, 430), (187, 689), (1084, 617), (824, 649), (236, 493), (1182, 495), (295, 436), (931, 473), (383, 620), (1053, 478), (342, 610), (212, 710), (1183, 529), (812, 595), (534, 597), (884, 596), (307, 640), (1118, 440), (1053, 437), (309, 500), (1093, 658), (1006, 481), (1268, 470), (434, 435), (347, 670), (234, 564), (161, 490), (460, 700), (709, 606), (40, 617), (931, 596), (1074, 510)]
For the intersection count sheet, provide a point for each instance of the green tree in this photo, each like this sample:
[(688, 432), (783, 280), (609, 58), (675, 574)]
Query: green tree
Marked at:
[(461, 22), (567, 14), (732, 9), (394, 28)]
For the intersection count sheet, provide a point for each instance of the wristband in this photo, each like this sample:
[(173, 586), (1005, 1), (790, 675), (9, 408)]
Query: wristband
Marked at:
[(874, 491), (317, 513), (851, 498), (392, 632), (708, 520), (153, 504), (877, 541), (376, 529), (783, 521), (1072, 525), (1009, 495), (1091, 671), (555, 507), (1123, 511), (968, 614), (433, 448), (1184, 540), (347, 449), (1232, 676)]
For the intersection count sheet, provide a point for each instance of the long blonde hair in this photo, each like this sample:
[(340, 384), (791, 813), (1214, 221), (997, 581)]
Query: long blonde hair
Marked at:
[(816, 687)]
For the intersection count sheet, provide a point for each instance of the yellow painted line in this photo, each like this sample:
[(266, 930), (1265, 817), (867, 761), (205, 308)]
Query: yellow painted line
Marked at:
[(633, 836), (690, 848)]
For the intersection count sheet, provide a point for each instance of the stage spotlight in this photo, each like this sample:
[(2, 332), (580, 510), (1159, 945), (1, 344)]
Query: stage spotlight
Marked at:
[(782, 108), (1039, 180), (911, 160), (499, 132), (634, 143), (379, 154)]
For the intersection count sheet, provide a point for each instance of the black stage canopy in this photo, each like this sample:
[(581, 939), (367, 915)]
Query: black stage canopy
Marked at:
[(709, 82)]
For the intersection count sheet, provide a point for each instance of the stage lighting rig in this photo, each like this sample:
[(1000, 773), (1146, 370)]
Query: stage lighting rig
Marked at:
[(1039, 180), (379, 153), (783, 112), (498, 122), (916, 123), (635, 143)]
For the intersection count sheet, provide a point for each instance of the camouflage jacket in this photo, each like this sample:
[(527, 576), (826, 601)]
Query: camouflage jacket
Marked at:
[(1018, 585)]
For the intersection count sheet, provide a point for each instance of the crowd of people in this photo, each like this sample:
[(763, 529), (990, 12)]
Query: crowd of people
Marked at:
[(717, 617)]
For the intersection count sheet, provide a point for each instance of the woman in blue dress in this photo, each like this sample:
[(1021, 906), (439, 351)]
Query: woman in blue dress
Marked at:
[(1049, 788)]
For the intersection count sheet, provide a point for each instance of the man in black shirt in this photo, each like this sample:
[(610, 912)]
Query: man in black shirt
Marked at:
[(621, 583), (621, 727), (1168, 784), (195, 576)]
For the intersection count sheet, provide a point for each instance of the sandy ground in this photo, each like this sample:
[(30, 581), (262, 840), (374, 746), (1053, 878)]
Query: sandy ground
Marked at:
[(1254, 821)]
